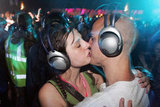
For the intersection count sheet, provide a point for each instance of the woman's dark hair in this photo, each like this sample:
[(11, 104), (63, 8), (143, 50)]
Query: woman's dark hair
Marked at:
[(58, 29), (29, 41), (57, 79), (56, 26)]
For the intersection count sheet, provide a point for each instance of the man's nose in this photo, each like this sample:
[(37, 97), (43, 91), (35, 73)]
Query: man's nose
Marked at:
[(90, 41), (87, 45)]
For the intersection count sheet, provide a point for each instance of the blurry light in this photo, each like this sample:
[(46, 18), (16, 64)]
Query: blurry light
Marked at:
[(83, 11), (135, 12), (120, 11), (126, 7), (96, 16), (131, 18), (101, 15), (22, 6), (99, 12), (143, 22), (140, 12), (66, 9), (145, 25)]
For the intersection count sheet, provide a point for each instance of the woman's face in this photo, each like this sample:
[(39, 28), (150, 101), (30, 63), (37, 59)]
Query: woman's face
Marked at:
[(77, 49)]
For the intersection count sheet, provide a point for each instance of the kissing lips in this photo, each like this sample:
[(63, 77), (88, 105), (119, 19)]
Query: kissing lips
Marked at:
[(89, 54)]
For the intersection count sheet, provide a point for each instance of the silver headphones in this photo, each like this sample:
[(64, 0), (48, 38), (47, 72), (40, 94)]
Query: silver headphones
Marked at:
[(110, 40), (55, 58)]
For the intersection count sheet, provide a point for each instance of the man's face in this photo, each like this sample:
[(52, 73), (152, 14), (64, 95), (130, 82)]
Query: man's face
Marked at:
[(96, 55)]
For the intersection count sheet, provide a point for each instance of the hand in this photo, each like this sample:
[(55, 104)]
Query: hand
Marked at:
[(32, 16), (144, 81), (38, 15), (121, 103)]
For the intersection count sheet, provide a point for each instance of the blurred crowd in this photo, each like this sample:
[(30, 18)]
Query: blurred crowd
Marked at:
[(28, 25)]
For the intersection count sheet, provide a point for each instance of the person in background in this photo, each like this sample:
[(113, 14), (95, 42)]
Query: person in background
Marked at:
[(8, 19), (154, 48), (16, 50), (3, 33), (4, 76)]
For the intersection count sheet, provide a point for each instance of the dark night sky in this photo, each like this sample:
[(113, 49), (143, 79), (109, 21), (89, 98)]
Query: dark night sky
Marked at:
[(66, 3), (48, 4)]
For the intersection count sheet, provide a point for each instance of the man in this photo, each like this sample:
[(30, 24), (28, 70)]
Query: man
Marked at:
[(117, 67), (17, 48)]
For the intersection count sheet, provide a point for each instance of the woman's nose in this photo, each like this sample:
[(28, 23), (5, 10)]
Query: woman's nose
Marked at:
[(87, 45)]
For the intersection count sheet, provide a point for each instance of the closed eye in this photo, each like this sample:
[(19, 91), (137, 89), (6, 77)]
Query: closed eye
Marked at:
[(92, 38), (79, 46)]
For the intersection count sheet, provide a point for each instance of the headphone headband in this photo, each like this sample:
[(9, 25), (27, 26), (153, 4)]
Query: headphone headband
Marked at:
[(114, 18), (55, 59)]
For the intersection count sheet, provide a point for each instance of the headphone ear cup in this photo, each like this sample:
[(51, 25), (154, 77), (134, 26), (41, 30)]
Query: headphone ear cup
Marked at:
[(110, 42), (58, 60)]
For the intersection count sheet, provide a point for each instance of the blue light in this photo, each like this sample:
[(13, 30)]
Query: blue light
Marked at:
[(151, 9)]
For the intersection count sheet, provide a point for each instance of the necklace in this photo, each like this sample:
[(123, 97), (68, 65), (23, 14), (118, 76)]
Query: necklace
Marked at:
[(83, 82)]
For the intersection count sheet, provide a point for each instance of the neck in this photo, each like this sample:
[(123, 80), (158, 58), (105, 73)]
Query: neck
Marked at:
[(72, 75), (117, 69)]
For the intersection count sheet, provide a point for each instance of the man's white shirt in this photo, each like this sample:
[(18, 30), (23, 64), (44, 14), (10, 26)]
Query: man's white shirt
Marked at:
[(111, 95)]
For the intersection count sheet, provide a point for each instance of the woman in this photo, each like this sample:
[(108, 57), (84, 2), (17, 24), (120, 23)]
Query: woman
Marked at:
[(70, 86), (53, 93)]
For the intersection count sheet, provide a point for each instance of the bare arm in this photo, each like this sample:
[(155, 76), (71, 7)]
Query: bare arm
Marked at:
[(50, 97)]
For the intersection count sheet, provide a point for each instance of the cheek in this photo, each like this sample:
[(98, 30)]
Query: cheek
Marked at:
[(79, 59), (96, 54), (95, 49)]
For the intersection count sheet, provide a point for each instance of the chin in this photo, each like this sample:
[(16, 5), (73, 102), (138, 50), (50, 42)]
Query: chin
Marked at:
[(92, 62), (88, 59), (87, 62)]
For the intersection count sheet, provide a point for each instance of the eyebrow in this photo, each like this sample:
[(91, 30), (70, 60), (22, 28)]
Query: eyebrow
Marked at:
[(78, 40)]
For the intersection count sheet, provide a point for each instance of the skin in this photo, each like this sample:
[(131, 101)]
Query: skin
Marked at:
[(79, 55), (121, 103), (75, 46), (120, 71), (119, 65)]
